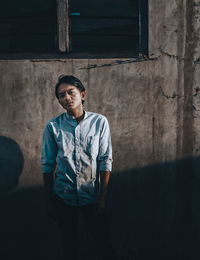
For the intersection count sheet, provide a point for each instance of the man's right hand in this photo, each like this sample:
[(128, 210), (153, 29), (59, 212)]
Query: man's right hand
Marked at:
[(49, 196)]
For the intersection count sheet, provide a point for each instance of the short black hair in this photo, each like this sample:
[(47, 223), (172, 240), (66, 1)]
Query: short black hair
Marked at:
[(70, 80)]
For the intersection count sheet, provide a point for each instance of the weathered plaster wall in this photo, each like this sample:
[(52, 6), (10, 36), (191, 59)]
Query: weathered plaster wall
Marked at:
[(133, 97), (152, 105)]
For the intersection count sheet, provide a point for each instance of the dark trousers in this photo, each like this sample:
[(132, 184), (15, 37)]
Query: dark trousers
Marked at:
[(84, 234)]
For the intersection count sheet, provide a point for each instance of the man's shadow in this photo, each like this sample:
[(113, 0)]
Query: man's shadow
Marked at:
[(11, 164), (25, 230), (153, 213)]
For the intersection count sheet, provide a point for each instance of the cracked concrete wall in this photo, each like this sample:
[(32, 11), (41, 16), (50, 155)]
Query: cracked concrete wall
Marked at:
[(176, 40), (152, 104)]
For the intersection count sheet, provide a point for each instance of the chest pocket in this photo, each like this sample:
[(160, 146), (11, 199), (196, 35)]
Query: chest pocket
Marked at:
[(65, 143), (91, 146)]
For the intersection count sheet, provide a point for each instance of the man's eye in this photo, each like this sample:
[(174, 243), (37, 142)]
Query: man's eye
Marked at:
[(71, 92), (61, 95)]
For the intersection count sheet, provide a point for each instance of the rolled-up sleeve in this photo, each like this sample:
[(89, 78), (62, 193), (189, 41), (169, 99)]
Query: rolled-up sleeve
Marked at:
[(105, 148), (49, 150)]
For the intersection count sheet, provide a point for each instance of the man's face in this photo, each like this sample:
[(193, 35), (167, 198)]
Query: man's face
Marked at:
[(70, 97)]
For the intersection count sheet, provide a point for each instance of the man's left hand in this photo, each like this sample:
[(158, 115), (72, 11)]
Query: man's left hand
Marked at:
[(100, 205)]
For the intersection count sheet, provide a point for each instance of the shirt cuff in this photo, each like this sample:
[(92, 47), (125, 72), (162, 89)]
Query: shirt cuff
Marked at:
[(47, 169), (105, 165)]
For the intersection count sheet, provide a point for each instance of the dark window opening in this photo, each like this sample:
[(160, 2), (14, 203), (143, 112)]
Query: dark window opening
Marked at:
[(107, 26), (76, 28), (28, 26)]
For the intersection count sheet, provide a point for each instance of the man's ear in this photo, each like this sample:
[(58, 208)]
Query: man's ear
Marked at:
[(83, 94)]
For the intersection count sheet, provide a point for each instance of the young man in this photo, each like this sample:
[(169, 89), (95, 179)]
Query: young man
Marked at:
[(78, 143)]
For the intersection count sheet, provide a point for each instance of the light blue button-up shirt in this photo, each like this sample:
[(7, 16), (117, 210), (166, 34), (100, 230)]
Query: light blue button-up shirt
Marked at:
[(79, 151)]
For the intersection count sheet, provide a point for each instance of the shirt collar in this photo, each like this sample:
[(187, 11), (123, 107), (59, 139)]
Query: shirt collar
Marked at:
[(70, 117)]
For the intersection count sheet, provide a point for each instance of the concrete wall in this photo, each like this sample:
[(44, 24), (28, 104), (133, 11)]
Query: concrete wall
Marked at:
[(153, 108)]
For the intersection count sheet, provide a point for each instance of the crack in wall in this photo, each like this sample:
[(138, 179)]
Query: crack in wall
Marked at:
[(194, 108), (197, 61), (174, 95), (171, 55), (176, 57), (119, 62)]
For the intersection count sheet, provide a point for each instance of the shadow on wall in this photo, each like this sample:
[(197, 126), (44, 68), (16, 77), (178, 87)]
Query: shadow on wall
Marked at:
[(153, 213), (11, 164)]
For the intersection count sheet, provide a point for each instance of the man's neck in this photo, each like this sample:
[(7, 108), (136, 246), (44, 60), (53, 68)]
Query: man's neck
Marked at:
[(78, 119), (78, 114)]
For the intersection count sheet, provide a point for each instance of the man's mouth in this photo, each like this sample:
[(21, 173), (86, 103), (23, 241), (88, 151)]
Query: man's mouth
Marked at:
[(68, 104)]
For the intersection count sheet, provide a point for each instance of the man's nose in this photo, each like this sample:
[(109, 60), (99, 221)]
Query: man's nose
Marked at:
[(67, 96)]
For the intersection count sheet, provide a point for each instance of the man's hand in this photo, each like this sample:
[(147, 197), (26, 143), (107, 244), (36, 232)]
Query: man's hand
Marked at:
[(49, 199), (101, 201), (100, 205)]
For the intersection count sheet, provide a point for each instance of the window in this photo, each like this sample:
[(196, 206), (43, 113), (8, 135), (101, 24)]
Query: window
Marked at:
[(107, 26), (75, 28), (28, 26)]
